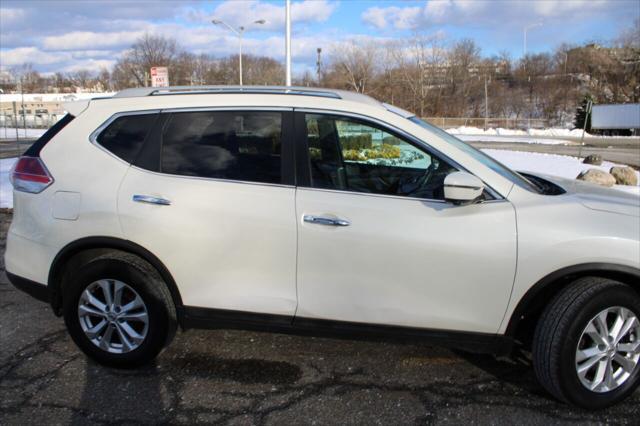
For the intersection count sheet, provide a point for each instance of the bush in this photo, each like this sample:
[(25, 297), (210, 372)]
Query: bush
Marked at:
[(383, 151), (353, 155), (391, 140), (362, 141)]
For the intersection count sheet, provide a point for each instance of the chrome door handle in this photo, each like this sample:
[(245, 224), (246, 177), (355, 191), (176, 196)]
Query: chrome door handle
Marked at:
[(319, 220), (151, 200)]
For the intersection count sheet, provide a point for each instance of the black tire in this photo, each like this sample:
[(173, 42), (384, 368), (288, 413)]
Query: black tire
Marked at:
[(146, 281), (557, 336)]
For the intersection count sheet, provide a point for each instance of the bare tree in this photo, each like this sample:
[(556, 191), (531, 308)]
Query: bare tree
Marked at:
[(27, 79), (355, 64), (81, 78), (420, 61), (147, 52)]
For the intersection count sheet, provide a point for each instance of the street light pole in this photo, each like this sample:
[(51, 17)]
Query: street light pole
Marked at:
[(525, 29), (287, 42), (239, 32)]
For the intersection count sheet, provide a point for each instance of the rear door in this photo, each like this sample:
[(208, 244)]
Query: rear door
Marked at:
[(377, 242), (211, 194)]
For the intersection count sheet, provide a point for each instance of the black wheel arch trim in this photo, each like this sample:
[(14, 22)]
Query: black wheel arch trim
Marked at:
[(570, 273), (109, 243)]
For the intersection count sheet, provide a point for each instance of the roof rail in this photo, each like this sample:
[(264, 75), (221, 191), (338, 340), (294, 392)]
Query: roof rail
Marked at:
[(182, 90)]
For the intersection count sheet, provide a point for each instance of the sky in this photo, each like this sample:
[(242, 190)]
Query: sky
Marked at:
[(67, 36)]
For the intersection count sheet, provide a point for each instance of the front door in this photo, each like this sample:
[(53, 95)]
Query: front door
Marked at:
[(378, 244)]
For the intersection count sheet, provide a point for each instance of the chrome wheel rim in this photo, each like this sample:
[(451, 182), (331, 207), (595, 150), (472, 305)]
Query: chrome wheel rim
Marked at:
[(113, 316), (608, 350)]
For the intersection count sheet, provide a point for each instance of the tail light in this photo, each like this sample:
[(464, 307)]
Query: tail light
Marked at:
[(30, 175)]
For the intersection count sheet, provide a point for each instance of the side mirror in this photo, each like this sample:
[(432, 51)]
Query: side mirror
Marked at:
[(462, 187)]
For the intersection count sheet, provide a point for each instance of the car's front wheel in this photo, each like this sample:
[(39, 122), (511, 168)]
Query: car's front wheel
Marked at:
[(586, 348), (118, 311)]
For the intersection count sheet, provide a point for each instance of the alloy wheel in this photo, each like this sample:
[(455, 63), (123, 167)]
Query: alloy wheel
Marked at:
[(608, 350), (113, 316)]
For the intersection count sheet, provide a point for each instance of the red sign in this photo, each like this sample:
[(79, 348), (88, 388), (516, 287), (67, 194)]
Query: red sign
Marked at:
[(159, 77)]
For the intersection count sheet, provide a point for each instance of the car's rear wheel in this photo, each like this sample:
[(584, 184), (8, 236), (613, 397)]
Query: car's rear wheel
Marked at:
[(118, 310), (586, 348)]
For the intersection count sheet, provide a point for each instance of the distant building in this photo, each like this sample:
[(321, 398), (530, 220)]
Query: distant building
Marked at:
[(6, 78)]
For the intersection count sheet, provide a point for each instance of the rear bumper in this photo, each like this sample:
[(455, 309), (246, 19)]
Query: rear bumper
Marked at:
[(32, 288)]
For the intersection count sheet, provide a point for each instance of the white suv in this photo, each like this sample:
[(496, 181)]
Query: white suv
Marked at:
[(314, 211)]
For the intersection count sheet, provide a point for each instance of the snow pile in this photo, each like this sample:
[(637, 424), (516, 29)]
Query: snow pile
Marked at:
[(52, 97), (514, 139), (553, 165), (10, 133), (575, 133), (6, 190), (467, 130)]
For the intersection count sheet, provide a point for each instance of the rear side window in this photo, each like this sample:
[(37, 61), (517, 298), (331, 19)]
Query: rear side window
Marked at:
[(125, 135), (34, 150), (234, 145)]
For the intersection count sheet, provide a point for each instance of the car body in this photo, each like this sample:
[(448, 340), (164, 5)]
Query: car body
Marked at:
[(314, 211)]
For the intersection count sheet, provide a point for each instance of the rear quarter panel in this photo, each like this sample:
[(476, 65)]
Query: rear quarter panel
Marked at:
[(91, 175)]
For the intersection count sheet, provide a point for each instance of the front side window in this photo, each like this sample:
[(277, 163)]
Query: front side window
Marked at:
[(480, 156), (233, 145), (353, 155)]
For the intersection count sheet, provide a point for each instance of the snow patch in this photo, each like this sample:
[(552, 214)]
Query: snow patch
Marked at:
[(6, 190), (53, 97), (513, 139), (554, 165), (554, 132), (10, 133)]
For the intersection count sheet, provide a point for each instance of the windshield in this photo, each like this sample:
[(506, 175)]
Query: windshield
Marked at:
[(494, 165)]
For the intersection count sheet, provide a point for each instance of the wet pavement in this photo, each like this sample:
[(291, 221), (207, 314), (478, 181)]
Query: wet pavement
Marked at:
[(245, 378)]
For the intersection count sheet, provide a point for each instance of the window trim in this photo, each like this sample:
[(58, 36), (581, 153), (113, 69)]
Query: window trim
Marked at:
[(302, 156), (234, 181), (287, 152)]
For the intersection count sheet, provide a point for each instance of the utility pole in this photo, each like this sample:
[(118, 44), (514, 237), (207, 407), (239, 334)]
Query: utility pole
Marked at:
[(486, 104), (287, 42), (15, 114), (24, 115), (318, 66), (566, 83), (584, 126)]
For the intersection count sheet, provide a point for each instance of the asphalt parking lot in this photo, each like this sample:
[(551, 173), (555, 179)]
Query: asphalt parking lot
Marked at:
[(243, 378)]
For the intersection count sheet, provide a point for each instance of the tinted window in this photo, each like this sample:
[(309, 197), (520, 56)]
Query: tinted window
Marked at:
[(231, 145), (125, 135), (348, 154)]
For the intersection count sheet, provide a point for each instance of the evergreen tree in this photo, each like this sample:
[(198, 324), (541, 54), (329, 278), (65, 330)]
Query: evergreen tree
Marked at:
[(581, 113)]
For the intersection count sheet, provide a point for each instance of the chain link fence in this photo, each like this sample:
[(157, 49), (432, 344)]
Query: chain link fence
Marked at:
[(43, 121), (488, 123)]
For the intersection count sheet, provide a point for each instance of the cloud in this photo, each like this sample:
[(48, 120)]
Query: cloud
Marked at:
[(94, 65), (78, 40), (22, 55), (376, 17), (485, 13), (10, 16), (238, 13)]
